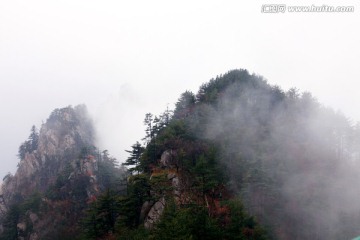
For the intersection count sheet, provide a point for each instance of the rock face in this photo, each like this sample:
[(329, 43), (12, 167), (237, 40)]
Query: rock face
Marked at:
[(65, 129), (33, 217), (21, 227), (61, 138), (2, 207), (145, 210), (167, 159), (151, 212), (175, 183), (155, 213), (51, 153)]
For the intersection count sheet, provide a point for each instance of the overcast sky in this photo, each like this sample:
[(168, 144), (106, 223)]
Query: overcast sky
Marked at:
[(125, 58)]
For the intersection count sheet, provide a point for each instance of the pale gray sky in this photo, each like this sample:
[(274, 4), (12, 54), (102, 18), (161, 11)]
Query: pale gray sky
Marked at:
[(126, 58)]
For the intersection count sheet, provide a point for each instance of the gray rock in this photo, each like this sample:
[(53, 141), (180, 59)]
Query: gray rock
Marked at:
[(175, 182), (33, 217), (34, 236), (145, 210), (155, 213), (168, 159), (21, 227), (171, 176)]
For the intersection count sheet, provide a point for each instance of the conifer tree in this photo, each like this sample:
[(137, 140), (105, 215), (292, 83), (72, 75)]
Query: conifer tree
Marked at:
[(134, 158), (148, 122)]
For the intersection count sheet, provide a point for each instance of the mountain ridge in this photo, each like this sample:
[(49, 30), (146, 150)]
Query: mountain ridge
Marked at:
[(58, 167), (240, 159)]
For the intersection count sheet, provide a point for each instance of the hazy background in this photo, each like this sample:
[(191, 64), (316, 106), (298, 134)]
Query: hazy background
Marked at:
[(123, 59)]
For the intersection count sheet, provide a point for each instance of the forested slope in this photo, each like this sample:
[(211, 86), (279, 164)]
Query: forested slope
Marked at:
[(239, 159)]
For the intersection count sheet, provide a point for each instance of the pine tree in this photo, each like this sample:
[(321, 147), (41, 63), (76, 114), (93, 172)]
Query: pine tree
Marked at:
[(184, 104), (148, 122), (34, 138), (134, 159), (101, 216), (29, 145)]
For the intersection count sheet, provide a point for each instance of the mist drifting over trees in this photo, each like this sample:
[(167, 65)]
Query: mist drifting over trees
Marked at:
[(294, 162), (239, 159)]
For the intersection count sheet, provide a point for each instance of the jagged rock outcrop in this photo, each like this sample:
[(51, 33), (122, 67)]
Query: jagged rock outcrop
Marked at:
[(151, 211), (147, 205), (56, 164), (155, 213), (167, 159), (63, 135), (66, 129), (60, 140), (175, 183), (2, 203)]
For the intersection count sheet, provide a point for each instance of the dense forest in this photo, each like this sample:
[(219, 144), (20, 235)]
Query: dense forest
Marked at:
[(239, 159), (293, 161)]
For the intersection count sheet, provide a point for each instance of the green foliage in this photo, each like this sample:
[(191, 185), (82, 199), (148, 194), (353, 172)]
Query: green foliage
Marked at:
[(18, 211), (241, 225), (209, 92), (148, 122), (33, 203), (267, 139), (59, 191), (109, 175), (134, 159), (192, 222), (237, 132), (7, 176), (139, 233), (208, 172), (196, 160), (90, 150), (101, 216), (10, 223), (160, 185), (184, 105), (112, 213), (30, 145)]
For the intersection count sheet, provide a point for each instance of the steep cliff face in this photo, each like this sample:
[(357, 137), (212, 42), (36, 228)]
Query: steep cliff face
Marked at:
[(58, 174), (60, 141)]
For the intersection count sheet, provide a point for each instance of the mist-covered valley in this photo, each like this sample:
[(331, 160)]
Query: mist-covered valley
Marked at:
[(238, 159)]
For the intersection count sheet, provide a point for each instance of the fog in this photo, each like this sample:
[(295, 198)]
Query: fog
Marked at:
[(123, 59), (294, 161)]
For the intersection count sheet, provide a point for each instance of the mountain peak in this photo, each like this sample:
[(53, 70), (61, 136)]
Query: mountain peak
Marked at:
[(47, 152), (60, 172), (65, 130)]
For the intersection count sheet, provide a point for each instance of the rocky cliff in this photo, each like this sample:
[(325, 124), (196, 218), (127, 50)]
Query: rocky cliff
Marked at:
[(59, 141), (58, 174)]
